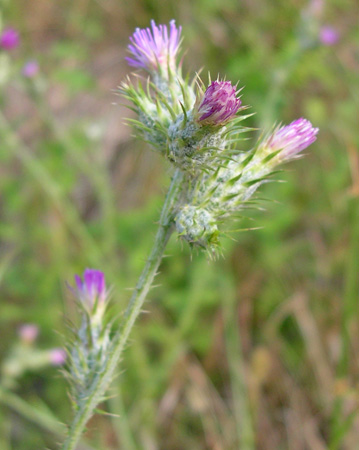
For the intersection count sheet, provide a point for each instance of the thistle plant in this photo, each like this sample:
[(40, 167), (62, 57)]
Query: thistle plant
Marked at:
[(198, 129), (89, 349)]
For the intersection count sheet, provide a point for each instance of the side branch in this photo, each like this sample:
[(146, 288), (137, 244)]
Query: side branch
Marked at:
[(101, 382)]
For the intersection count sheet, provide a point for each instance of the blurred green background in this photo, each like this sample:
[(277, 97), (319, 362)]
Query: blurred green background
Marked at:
[(259, 350)]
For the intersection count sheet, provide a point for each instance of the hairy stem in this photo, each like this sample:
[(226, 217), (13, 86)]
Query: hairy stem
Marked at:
[(101, 382)]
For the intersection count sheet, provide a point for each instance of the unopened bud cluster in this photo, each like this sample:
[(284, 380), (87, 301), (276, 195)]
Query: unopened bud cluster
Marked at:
[(199, 132), (197, 225)]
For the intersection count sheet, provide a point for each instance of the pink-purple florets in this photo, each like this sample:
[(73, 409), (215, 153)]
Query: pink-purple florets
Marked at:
[(292, 138), (328, 35), (58, 356), (219, 104), (154, 49), (92, 286), (9, 39), (30, 69), (28, 332)]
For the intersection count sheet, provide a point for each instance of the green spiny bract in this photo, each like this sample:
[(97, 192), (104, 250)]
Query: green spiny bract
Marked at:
[(157, 108), (88, 354), (191, 147), (196, 148)]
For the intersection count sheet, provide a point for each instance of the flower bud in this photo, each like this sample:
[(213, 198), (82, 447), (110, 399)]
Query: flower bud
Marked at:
[(198, 138), (291, 139), (89, 348), (92, 289), (218, 105), (197, 226)]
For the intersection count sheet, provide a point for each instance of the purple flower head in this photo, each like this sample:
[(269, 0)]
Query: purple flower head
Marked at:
[(92, 287), (9, 39), (328, 36), (28, 332), (293, 138), (30, 69), (155, 49), (57, 356), (219, 104)]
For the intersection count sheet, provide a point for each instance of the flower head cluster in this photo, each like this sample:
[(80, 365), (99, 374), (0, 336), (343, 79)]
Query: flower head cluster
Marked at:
[(190, 130), (218, 104), (200, 135), (9, 39), (156, 49), (223, 193)]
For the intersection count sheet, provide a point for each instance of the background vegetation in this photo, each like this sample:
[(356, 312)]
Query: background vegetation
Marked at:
[(258, 350)]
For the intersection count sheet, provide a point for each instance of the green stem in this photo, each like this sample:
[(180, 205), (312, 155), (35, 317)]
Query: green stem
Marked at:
[(29, 412), (241, 404), (103, 379), (36, 415)]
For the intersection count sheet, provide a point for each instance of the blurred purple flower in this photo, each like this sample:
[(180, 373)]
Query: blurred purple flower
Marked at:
[(328, 35), (156, 48), (219, 104), (92, 287), (9, 39), (30, 69), (292, 138), (57, 356), (28, 332)]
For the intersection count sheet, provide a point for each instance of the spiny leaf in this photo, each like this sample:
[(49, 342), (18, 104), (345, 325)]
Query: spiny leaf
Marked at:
[(271, 156), (184, 115)]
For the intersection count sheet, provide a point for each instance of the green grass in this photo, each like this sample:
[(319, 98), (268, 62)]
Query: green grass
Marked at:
[(258, 350)]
